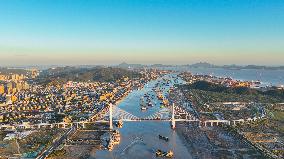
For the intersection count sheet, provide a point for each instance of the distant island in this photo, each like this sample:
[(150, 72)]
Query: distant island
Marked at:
[(233, 66), (203, 65), (135, 66)]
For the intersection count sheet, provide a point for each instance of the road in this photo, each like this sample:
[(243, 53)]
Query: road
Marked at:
[(56, 143)]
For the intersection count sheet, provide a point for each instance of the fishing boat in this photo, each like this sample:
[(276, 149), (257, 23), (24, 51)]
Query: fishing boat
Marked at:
[(143, 108), (119, 124), (160, 153), (165, 102), (160, 96), (116, 137), (110, 145), (164, 138)]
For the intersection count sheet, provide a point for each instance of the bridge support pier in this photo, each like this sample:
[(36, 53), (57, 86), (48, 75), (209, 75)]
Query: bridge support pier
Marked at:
[(199, 123), (84, 125)]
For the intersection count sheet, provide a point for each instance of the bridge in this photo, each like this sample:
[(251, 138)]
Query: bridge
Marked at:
[(175, 114), (112, 114), (117, 114)]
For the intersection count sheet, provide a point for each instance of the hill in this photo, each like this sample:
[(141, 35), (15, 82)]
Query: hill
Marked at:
[(100, 74), (208, 86)]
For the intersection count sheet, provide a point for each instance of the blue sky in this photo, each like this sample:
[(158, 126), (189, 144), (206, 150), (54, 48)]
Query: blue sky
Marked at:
[(140, 31)]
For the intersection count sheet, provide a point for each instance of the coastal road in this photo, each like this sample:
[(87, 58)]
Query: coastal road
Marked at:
[(56, 143)]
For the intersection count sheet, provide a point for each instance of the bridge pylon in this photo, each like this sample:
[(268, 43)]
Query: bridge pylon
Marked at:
[(173, 124), (110, 117)]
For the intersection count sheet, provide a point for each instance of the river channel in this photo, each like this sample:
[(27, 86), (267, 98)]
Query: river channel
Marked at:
[(139, 139)]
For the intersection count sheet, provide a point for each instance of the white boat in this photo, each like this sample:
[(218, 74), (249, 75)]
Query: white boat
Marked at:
[(143, 108)]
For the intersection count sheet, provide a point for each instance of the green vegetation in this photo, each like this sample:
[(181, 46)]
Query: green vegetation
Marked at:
[(37, 139), (278, 115), (219, 93), (2, 135), (57, 153)]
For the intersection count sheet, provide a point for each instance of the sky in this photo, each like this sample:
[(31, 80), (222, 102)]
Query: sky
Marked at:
[(76, 32)]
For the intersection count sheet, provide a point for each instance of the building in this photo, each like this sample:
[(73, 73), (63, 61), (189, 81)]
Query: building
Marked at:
[(3, 78), (2, 88), (35, 73), (16, 77)]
